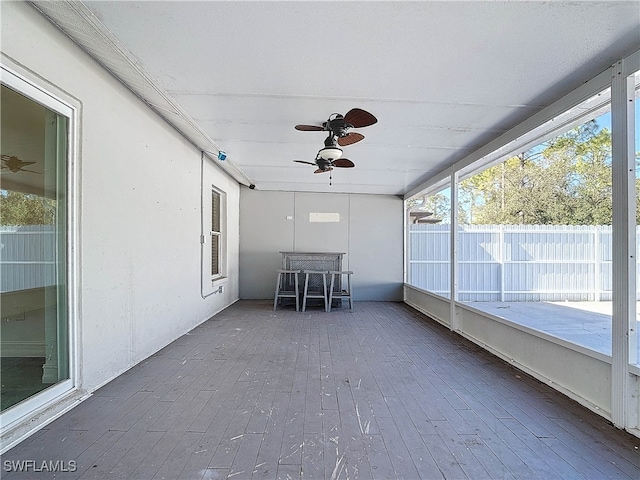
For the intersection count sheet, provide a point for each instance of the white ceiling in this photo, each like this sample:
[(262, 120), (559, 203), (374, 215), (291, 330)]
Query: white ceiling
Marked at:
[(443, 78)]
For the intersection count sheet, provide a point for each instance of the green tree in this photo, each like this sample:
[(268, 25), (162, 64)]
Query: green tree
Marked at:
[(565, 181), (25, 209), (586, 152), (438, 205)]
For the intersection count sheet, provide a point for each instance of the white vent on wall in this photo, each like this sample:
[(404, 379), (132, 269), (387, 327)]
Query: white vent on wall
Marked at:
[(324, 217)]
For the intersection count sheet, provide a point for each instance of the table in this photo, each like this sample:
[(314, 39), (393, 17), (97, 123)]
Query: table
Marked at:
[(312, 261), (320, 261)]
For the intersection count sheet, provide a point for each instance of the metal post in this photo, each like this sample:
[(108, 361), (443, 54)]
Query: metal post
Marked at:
[(453, 289), (597, 265), (501, 250), (624, 284)]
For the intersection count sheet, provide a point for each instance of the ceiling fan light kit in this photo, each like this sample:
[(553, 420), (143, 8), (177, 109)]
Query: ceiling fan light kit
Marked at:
[(330, 153)]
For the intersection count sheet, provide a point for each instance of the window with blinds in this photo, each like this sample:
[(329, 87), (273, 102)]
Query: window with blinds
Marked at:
[(216, 233)]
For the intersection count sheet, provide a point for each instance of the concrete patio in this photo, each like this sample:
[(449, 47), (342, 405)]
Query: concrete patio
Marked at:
[(587, 324)]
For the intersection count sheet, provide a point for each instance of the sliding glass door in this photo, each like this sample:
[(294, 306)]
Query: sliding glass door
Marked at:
[(34, 327)]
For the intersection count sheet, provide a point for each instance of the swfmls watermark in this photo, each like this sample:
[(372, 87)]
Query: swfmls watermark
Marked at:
[(39, 466)]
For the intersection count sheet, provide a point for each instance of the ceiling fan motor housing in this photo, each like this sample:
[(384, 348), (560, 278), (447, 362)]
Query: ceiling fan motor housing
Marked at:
[(323, 164), (338, 126)]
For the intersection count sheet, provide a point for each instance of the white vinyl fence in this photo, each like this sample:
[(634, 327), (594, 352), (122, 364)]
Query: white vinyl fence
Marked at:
[(514, 263), (27, 257)]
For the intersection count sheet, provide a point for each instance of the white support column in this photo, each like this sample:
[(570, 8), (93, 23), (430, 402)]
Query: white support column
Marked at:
[(597, 265), (502, 250), (406, 254), (454, 251), (624, 221)]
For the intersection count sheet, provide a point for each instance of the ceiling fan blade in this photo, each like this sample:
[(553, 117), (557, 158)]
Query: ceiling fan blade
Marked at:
[(359, 118), (309, 128), (302, 161), (343, 163), (350, 138), (323, 171)]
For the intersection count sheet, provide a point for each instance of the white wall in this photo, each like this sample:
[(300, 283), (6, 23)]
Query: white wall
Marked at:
[(138, 211), (369, 233)]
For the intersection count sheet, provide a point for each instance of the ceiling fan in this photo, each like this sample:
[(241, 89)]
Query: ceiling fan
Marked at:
[(328, 165), (328, 158), (338, 126), (15, 165)]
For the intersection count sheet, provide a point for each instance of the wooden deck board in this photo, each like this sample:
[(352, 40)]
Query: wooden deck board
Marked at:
[(378, 393)]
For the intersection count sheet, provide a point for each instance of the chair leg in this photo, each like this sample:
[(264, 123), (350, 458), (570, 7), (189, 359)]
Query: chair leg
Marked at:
[(304, 295), (295, 281), (332, 283), (275, 299), (350, 292), (324, 286)]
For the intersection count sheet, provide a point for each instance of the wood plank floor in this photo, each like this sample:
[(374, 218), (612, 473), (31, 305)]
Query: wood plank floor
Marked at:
[(380, 393)]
